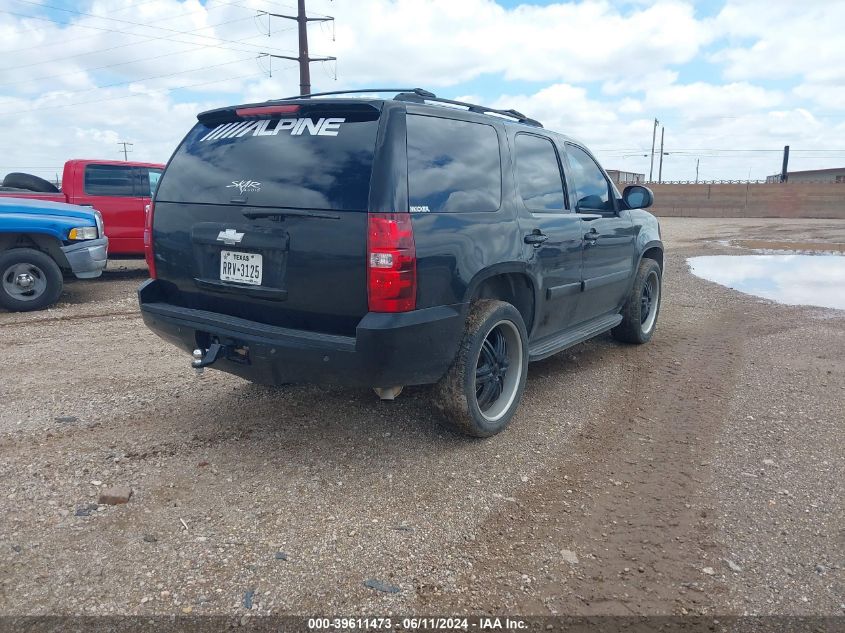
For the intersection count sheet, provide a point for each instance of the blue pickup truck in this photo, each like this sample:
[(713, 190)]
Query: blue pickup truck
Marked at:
[(41, 243)]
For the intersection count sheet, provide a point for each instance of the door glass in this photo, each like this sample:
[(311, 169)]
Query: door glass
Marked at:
[(591, 187), (109, 180), (453, 166), (538, 173), (154, 175)]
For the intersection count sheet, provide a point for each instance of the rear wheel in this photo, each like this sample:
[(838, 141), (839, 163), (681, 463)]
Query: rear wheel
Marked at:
[(481, 391), (639, 315), (29, 280)]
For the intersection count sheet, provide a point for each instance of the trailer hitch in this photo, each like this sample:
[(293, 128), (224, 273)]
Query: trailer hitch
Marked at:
[(208, 357)]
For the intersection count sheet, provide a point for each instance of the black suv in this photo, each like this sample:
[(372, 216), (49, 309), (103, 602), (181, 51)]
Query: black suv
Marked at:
[(391, 242)]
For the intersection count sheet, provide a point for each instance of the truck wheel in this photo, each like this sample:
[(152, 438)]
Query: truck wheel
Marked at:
[(482, 389), (29, 280), (639, 315), (29, 182)]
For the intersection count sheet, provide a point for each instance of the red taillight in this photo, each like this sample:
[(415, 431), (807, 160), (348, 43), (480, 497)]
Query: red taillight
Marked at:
[(148, 239), (391, 263), (267, 110)]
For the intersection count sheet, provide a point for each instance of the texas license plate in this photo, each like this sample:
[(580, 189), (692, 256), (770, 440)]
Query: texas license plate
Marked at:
[(242, 268)]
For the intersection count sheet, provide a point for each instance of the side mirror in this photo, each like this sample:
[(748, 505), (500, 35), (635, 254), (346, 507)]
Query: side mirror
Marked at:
[(637, 197)]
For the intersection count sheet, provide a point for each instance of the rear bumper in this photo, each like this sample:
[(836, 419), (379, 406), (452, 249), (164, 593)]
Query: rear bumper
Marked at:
[(87, 259), (388, 350)]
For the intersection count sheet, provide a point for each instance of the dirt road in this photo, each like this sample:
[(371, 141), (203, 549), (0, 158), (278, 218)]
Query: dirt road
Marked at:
[(702, 473)]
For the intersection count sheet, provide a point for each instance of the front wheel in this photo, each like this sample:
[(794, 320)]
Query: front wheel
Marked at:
[(29, 280), (639, 315), (481, 391)]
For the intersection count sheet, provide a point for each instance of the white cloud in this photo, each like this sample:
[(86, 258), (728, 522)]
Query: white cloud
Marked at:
[(778, 40), (447, 42), (827, 96), (702, 100), (639, 83)]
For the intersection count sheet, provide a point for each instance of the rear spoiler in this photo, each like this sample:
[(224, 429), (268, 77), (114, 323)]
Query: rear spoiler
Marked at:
[(275, 109)]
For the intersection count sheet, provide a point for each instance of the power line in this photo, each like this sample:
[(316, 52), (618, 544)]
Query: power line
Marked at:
[(131, 6), (101, 17), (147, 39), (126, 63), (636, 150), (141, 24), (129, 96), (132, 81), (133, 61), (205, 10)]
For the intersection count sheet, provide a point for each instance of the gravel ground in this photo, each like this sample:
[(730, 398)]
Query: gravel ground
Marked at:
[(702, 473)]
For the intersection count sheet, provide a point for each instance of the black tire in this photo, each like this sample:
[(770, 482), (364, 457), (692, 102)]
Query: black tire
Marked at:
[(639, 315), (39, 289), (473, 408), (29, 182)]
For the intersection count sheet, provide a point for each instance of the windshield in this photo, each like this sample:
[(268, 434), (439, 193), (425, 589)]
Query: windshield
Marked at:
[(312, 162)]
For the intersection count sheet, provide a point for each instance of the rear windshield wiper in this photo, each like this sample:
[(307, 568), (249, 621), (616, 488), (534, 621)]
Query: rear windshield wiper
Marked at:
[(252, 215)]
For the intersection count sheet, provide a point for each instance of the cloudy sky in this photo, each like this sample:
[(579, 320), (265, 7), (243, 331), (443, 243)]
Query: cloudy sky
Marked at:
[(732, 81)]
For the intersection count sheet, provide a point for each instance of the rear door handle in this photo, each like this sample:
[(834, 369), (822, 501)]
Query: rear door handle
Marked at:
[(535, 239), (592, 236)]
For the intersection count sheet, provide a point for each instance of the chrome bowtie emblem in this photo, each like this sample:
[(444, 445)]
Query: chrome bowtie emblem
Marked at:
[(230, 237)]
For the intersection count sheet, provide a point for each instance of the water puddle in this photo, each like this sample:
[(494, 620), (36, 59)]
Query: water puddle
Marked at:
[(816, 280), (774, 247)]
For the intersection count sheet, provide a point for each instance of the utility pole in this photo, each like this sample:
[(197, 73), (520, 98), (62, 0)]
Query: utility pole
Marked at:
[(653, 138), (697, 160), (303, 58), (125, 150), (784, 174), (660, 171)]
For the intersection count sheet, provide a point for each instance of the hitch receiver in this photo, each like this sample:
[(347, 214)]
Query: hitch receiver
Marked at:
[(209, 356)]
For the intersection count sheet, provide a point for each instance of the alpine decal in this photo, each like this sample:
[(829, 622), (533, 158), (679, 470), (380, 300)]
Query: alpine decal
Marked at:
[(272, 127)]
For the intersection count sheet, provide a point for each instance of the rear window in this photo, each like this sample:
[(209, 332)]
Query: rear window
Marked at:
[(312, 162), (453, 166), (110, 180)]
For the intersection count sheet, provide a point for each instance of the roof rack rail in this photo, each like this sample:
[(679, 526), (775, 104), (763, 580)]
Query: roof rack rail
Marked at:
[(415, 96), (417, 91), (419, 95)]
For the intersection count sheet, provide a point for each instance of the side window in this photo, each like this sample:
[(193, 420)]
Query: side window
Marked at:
[(453, 166), (538, 173), (154, 175), (109, 180), (591, 187)]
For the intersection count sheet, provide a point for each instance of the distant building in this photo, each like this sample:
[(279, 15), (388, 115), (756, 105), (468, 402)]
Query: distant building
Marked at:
[(625, 177), (837, 174)]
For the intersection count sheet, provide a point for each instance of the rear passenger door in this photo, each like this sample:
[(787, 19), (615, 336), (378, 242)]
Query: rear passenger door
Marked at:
[(608, 233), (551, 233)]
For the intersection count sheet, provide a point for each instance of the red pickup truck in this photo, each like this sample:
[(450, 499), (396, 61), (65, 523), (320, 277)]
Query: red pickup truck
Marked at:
[(118, 190)]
